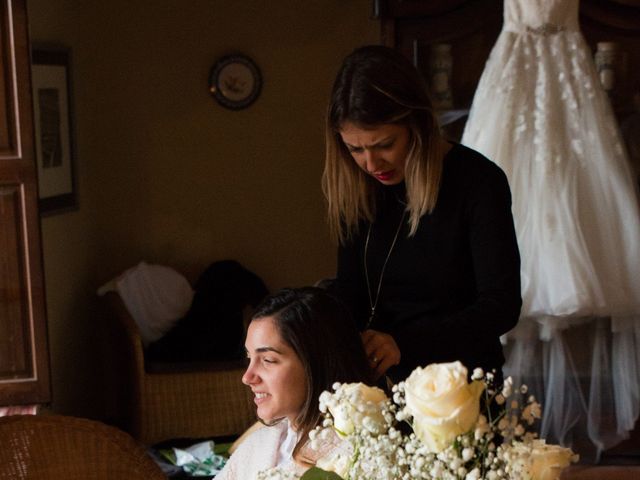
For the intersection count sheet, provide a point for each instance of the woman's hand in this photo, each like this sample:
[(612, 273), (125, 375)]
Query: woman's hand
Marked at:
[(382, 350)]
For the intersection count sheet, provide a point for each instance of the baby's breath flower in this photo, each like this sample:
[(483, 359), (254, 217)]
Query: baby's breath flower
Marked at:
[(503, 424), (473, 474), (467, 454), (380, 449), (507, 387), (276, 474), (456, 463)]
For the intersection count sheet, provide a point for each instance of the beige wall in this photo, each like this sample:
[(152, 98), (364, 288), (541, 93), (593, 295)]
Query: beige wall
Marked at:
[(167, 175)]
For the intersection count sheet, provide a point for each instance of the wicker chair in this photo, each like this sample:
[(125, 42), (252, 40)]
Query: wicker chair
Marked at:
[(58, 447), (177, 401)]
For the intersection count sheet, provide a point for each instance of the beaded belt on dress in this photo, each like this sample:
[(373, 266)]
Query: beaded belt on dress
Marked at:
[(544, 29)]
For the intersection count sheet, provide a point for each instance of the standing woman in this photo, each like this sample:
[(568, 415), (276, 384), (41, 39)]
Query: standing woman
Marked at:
[(427, 259), (299, 343)]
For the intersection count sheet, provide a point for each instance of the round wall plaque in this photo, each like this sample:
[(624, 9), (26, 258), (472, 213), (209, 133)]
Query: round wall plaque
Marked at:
[(235, 81)]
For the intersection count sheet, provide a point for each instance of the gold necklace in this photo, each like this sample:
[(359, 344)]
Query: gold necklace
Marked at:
[(373, 303)]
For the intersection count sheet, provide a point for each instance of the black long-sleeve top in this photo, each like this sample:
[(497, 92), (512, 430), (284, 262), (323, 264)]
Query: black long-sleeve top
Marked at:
[(453, 288)]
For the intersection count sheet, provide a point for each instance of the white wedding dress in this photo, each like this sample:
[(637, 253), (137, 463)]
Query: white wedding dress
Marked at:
[(541, 114)]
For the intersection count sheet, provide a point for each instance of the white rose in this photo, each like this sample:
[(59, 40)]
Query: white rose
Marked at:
[(337, 462), (442, 403), (538, 461), (356, 406)]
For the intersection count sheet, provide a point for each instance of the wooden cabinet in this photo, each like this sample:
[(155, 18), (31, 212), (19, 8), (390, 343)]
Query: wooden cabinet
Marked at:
[(471, 27), (616, 21), (24, 368)]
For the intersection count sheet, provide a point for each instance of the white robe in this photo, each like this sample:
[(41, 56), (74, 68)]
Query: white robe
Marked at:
[(259, 451)]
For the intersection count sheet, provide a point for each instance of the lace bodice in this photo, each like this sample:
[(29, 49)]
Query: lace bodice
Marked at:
[(545, 17)]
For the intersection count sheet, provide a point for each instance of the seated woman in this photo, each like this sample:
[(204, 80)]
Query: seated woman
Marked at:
[(299, 342)]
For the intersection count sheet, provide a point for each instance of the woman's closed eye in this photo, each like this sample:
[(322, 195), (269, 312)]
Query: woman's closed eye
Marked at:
[(264, 355), (263, 359)]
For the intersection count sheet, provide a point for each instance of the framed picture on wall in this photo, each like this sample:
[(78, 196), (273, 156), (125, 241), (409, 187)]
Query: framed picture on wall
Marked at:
[(53, 124)]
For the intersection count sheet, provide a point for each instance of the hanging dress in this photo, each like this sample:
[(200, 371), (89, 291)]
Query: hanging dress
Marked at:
[(541, 114)]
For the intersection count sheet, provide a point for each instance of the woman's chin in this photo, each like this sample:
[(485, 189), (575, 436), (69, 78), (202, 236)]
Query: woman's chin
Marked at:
[(265, 415)]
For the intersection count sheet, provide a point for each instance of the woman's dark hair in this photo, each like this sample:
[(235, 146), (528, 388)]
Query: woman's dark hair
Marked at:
[(320, 330), (378, 85)]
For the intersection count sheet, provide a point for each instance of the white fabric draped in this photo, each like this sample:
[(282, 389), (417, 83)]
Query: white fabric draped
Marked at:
[(540, 113), (586, 374)]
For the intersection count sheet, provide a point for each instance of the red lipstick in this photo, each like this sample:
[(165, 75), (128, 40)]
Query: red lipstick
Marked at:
[(384, 176)]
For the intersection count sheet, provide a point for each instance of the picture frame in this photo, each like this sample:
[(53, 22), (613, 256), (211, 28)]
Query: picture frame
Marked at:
[(53, 129)]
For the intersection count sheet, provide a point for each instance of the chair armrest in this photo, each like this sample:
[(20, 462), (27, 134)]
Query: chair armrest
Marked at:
[(124, 317), (129, 329)]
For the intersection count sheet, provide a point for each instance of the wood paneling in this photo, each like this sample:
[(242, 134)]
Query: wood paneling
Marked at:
[(24, 362), (8, 110), (16, 332)]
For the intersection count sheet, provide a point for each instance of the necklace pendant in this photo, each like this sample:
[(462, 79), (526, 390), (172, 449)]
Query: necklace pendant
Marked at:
[(372, 317)]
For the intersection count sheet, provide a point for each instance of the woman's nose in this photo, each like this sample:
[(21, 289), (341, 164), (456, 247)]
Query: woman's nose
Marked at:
[(372, 161), (249, 376)]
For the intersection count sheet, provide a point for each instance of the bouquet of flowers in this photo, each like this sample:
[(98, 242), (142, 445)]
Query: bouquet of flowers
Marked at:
[(438, 425)]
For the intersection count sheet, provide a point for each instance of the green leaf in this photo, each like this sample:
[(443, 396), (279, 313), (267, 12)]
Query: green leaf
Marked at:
[(316, 473), (222, 449), (169, 454)]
